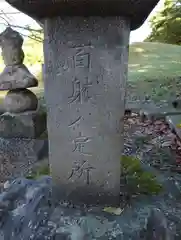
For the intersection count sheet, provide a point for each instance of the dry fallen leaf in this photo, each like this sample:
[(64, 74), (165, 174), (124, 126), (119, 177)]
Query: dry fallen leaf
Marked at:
[(178, 160), (158, 122), (112, 210)]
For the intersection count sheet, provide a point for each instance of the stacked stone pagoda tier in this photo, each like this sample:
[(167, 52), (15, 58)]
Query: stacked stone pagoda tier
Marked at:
[(20, 104), (16, 78)]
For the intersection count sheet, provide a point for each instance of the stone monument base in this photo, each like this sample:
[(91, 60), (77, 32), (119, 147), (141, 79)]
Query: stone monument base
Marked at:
[(44, 219), (22, 125)]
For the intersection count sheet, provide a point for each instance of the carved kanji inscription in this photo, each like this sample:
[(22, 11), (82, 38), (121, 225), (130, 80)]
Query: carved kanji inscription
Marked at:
[(81, 168), (76, 121), (80, 91), (79, 144), (82, 58)]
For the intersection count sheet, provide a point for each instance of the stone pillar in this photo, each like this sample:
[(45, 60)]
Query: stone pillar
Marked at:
[(22, 121), (85, 79)]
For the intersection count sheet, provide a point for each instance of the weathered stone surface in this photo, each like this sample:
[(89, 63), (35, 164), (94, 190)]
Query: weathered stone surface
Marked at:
[(29, 212), (149, 106), (11, 43), (85, 104), (20, 100), (137, 106), (24, 125), (159, 112), (157, 227), (17, 76), (173, 122), (18, 156), (17, 222), (137, 11)]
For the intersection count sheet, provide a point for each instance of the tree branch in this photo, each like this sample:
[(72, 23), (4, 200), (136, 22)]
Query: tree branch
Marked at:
[(25, 28), (33, 34)]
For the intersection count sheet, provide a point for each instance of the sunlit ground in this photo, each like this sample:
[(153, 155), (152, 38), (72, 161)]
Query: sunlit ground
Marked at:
[(155, 70), (153, 61)]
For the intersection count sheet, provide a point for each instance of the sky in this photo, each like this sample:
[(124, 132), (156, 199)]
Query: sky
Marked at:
[(21, 19)]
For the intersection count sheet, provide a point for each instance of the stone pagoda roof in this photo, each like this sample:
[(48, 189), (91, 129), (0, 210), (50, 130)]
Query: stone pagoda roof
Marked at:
[(136, 10)]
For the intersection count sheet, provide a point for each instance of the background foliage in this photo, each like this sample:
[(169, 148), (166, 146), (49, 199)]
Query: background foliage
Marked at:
[(166, 25)]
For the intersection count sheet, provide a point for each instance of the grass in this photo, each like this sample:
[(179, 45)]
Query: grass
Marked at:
[(43, 170), (149, 61), (154, 70)]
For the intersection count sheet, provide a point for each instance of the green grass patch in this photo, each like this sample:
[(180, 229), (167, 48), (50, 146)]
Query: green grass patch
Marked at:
[(154, 70), (40, 171), (151, 61), (138, 181)]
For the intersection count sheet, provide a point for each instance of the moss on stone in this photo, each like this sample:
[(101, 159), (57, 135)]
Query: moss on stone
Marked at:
[(137, 179)]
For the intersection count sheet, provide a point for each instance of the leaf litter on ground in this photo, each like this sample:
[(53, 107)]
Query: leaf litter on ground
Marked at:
[(153, 140)]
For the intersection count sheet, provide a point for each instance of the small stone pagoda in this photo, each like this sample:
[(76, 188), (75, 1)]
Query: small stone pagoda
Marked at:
[(20, 104)]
